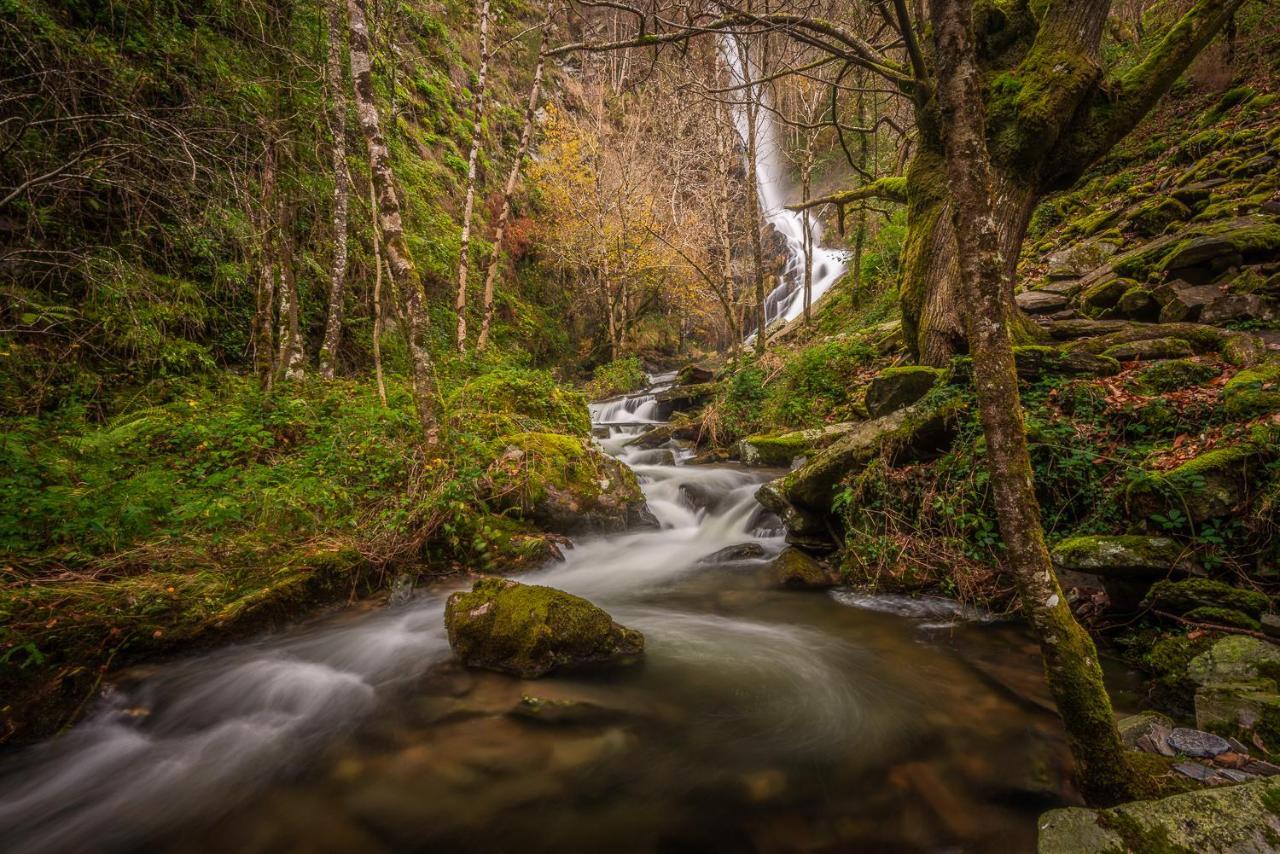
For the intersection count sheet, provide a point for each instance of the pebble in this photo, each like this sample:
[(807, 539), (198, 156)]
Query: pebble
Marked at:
[(1193, 742)]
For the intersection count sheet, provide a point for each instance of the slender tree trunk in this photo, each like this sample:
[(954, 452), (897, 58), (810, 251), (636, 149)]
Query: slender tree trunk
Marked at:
[(753, 197), (292, 358), (808, 235), (263, 337), (860, 229), (1071, 661), (407, 282), (337, 114), (477, 127), (377, 295), (513, 177)]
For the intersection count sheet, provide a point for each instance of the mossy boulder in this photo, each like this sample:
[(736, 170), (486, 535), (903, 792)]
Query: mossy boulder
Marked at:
[(684, 398), (1101, 296), (564, 485), (527, 630), (1236, 659), (1079, 258), (1203, 244), (1138, 303), (894, 388), (1154, 216), (1174, 375), (1238, 694), (1216, 483), (1253, 391), (1150, 348), (1244, 818), (797, 569), (1181, 301), (514, 401), (1129, 556), (1106, 335), (695, 374), (781, 449), (1036, 360), (1193, 595)]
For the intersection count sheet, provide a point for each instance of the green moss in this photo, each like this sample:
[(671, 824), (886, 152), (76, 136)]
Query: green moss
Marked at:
[(1155, 216), (1149, 348), (1174, 375), (519, 400), (896, 387), (1253, 391), (1217, 616), (1187, 595), (1213, 484)]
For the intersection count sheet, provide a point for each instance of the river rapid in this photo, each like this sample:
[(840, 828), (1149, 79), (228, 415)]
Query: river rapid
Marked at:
[(760, 720)]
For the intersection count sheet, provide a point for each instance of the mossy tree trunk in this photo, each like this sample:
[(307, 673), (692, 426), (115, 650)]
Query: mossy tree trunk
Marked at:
[(473, 158), (337, 115), (1071, 661)]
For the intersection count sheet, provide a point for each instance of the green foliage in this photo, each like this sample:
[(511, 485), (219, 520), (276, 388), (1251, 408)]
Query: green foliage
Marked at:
[(620, 376)]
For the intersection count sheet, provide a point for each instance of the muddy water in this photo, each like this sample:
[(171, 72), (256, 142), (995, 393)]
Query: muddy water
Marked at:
[(760, 720)]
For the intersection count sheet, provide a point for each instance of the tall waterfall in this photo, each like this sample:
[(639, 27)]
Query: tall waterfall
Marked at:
[(786, 301)]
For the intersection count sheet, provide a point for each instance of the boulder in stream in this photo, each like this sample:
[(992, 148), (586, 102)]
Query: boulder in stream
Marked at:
[(797, 569), (528, 630)]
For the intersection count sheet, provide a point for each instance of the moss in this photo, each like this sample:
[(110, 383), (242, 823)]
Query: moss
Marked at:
[(1216, 616), (517, 400), (1200, 243), (1155, 216), (1213, 484), (1253, 391), (1099, 554), (1103, 295), (1168, 659), (528, 630), (1174, 375), (1187, 595), (1149, 348), (894, 388)]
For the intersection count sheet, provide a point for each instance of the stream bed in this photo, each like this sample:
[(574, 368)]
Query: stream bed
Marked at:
[(760, 720)]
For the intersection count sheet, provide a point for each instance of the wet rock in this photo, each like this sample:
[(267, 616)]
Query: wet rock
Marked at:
[(894, 388), (797, 569), (735, 554), (1040, 302), (1216, 483), (657, 457), (1150, 348), (1135, 727), (600, 432), (683, 398), (695, 375), (1123, 556), (528, 630), (710, 457), (1197, 743), (563, 711), (1211, 821)]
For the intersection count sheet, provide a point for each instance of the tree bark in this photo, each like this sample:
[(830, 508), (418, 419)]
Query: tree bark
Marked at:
[(1071, 661), (337, 114), (752, 111), (377, 295), (292, 357), (477, 128), (513, 177), (406, 279), (263, 336)]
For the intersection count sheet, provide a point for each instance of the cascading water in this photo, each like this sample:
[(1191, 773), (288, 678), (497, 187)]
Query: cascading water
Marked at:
[(759, 720), (786, 301)]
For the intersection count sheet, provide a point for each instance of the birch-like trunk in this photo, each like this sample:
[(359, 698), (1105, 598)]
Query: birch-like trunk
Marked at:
[(1071, 661), (753, 196), (464, 260), (292, 358), (337, 115), (377, 296), (263, 336), (513, 177), (406, 280)]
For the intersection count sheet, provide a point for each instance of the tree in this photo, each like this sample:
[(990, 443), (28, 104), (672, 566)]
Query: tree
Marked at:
[(477, 127), (1071, 661), (406, 280), (750, 133), (337, 115)]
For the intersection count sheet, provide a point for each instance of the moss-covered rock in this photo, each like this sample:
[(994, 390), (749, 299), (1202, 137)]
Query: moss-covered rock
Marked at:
[(519, 401), (527, 630), (1154, 216), (797, 569), (1236, 659), (1238, 694), (1216, 483), (1150, 348), (1138, 303), (564, 485), (1036, 360), (1122, 556), (1101, 296), (1253, 391), (1202, 244), (1134, 727), (781, 449), (1244, 818), (684, 398), (894, 388), (1174, 375), (1183, 597)]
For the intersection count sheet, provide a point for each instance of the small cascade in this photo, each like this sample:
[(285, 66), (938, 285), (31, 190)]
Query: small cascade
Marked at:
[(786, 301)]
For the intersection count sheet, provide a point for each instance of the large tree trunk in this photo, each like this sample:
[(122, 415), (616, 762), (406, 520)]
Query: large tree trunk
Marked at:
[(337, 114), (932, 313), (477, 126), (1071, 661), (500, 230), (406, 280)]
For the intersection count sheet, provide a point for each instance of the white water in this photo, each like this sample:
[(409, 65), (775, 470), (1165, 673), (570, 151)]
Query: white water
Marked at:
[(786, 301)]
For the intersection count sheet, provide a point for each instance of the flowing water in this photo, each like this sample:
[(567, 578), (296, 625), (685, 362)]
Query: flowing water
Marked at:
[(760, 720)]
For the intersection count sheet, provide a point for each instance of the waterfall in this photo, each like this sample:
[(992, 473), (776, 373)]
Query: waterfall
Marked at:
[(786, 301)]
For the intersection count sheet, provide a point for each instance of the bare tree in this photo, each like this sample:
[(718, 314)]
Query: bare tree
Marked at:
[(464, 260), (337, 115)]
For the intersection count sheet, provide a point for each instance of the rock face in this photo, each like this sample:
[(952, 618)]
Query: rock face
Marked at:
[(1226, 820), (894, 388), (526, 630), (565, 486)]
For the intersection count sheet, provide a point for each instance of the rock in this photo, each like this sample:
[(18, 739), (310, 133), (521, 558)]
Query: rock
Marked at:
[(1036, 360), (1194, 742), (1222, 820), (563, 712), (1195, 771), (1236, 659), (1181, 301), (599, 432), (527, 630), (1253, 391), (1149, 348), (683, 398), (1198, 594), (781, 449), (1040, 302), (1202, 245), (709, 457), (1138, 303), (1135, 727), (1248, 711), (1216, 483), (895, 388), (1126, 556), (654, 438), (695, 375), (1270, 625), (804, 527), (1174, 375), (1236, 308), (656, 457), (735, 554), (1071, 330), (797, 569), (1104, 294), (566, 486), (1078, 259)]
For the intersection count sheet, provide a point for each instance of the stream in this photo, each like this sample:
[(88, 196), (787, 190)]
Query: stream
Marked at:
[(760, 720)]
